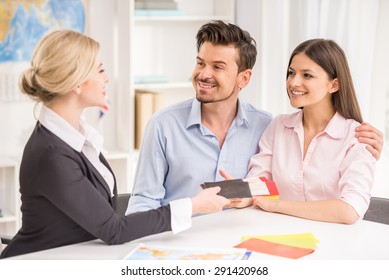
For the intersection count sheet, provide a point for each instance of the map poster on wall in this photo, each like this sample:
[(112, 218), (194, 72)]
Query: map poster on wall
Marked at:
[(22, 24)]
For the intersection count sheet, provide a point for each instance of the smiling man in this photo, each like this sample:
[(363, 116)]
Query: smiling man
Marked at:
[(187, 144)]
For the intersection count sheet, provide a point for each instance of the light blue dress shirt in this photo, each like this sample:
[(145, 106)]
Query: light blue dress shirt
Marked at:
[(179, 153)]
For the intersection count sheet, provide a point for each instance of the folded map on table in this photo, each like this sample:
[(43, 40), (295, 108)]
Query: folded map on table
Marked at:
[(161, 252)]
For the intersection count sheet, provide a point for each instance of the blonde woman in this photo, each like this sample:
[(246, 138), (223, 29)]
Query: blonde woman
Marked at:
[(68, 189)]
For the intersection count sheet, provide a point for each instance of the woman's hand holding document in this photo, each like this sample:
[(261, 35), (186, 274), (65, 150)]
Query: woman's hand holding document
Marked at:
[(241, 191)]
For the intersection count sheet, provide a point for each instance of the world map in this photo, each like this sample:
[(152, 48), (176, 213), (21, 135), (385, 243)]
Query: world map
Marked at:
[(154, 252), (24, 22)]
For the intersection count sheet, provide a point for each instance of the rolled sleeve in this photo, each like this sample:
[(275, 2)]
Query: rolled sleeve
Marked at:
[(357, 178), (181, 214)]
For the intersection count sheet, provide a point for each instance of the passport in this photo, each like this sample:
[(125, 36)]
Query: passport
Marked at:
[(243, 188)]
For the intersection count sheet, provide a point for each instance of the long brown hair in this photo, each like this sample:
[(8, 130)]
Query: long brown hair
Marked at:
[(329, 56)]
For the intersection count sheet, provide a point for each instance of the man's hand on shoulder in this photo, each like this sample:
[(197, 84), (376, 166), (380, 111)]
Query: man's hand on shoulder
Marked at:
[(368, 134)]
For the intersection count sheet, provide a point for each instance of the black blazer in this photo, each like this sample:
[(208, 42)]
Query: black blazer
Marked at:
[(65, 201)]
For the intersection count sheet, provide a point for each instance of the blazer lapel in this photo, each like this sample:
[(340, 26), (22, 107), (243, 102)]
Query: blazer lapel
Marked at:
[(97, 176), (105, 162)]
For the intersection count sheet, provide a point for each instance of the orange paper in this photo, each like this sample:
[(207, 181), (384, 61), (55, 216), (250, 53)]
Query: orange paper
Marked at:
[(272, 248)]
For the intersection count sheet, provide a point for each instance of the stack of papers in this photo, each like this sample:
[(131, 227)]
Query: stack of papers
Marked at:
[(292, 246), (160, 252)]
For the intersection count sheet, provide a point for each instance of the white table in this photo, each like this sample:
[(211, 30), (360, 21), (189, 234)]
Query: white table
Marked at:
[(363, 240)]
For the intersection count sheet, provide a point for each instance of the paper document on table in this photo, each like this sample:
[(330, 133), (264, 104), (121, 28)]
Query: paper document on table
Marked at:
[(284, 245), (273, 248), (303, 240), (160, 252)]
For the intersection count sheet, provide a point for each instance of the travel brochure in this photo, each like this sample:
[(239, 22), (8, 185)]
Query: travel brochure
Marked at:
[(160, 252), (293, 246)]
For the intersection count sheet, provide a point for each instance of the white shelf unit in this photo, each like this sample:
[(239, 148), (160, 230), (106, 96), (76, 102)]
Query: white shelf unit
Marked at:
[(166, 45), (116, 124), (9, 197), (163, 46)]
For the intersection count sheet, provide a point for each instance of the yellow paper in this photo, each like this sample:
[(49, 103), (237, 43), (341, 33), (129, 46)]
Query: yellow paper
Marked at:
[(302, 240)]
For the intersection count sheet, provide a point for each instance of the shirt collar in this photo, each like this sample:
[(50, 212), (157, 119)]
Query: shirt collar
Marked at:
[(334, 127), (241, 117), (195, 115), (67, 133)]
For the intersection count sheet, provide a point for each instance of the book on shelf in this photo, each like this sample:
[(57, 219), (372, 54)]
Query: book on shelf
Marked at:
[(146, 104), (162, 252), (158, 12), (156, 4), (244, 188)]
